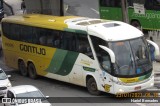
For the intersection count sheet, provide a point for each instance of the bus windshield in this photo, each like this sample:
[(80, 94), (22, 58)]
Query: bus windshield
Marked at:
[(132, 57)]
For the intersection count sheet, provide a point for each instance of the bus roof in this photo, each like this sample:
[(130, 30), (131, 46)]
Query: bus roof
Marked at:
[(105, 29)]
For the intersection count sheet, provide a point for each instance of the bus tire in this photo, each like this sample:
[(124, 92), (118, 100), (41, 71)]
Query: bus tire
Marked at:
[(136, 24), (32, 71), (92, 86), (22, 68)]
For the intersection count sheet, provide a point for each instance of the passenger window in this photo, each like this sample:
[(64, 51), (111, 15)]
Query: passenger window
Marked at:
[(84, 46), (14, 31), (6, 29), (110, 3), (69, 41), (57, 39), (26, 34)]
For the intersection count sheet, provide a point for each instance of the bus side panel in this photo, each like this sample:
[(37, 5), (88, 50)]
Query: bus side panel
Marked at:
[(111, 13), (62, 62), (9, 51), (146, 20)]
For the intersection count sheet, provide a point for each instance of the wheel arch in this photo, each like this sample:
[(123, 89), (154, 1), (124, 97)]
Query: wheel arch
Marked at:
[(21, 59), (135, 20), (88, 76)]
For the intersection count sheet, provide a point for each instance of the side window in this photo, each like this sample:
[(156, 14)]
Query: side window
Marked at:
[(69, 41), (14, 31), (11, 30), (102, 55), (50, 38), (35, 35), (56, 39), (6, 29), (156, 4), (104, 3), (149, 4), (83, 45), (110, 3), (26, 34)]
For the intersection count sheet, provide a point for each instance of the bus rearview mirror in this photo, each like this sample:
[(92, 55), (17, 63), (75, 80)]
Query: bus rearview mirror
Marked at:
[(155, 46), (111, 53)]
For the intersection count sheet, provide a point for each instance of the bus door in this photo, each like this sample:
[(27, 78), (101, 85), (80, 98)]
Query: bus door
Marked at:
[(110, 9), (104, 64)]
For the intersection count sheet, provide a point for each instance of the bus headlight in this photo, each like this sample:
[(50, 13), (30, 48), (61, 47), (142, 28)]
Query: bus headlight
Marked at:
[(152, 84), (121, 90)]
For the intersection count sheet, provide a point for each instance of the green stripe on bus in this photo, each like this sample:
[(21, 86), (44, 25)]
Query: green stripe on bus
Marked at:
[(62, 62), (57, 61), (68, 63), (141, 78), (73, 30)]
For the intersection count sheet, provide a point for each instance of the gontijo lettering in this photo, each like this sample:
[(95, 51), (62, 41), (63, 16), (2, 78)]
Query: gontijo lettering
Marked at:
[(32, 49)]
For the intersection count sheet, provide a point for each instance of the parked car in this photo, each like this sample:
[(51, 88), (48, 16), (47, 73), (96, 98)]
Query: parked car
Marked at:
[(4, 82), (26, 94)]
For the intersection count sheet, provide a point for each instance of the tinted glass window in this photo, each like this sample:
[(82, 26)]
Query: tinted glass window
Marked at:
[(48, 37), (26, 34), (14, 31), (69, 41), (6, 29), (83, 45), (110, 3)]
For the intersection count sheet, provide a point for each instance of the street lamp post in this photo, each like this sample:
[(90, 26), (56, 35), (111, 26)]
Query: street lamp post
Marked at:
[(125, 11)]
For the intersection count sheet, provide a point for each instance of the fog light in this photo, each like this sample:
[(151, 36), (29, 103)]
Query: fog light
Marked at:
[(121, 90)]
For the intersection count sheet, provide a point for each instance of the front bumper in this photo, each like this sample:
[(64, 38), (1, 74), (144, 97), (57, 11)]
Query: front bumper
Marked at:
[(133, 88)]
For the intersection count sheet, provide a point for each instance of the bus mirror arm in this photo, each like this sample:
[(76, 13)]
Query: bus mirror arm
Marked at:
[(155, 46), (111, 53)]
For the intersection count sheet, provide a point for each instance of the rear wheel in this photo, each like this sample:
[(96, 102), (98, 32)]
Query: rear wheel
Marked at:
[(136, 24), (22, 68), (92, 86), (32, 71)]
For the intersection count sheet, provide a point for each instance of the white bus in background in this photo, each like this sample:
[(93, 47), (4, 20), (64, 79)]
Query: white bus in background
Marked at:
[(12, 7)]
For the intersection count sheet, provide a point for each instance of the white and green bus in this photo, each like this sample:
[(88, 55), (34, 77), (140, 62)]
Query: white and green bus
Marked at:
[(102, 55)]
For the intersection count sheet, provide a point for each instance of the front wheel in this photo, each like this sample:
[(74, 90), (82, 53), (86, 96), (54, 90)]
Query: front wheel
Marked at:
[(32, 71), (92, 86)]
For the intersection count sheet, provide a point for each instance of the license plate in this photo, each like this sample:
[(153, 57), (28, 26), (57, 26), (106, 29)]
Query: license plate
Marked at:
[(137, 88)]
